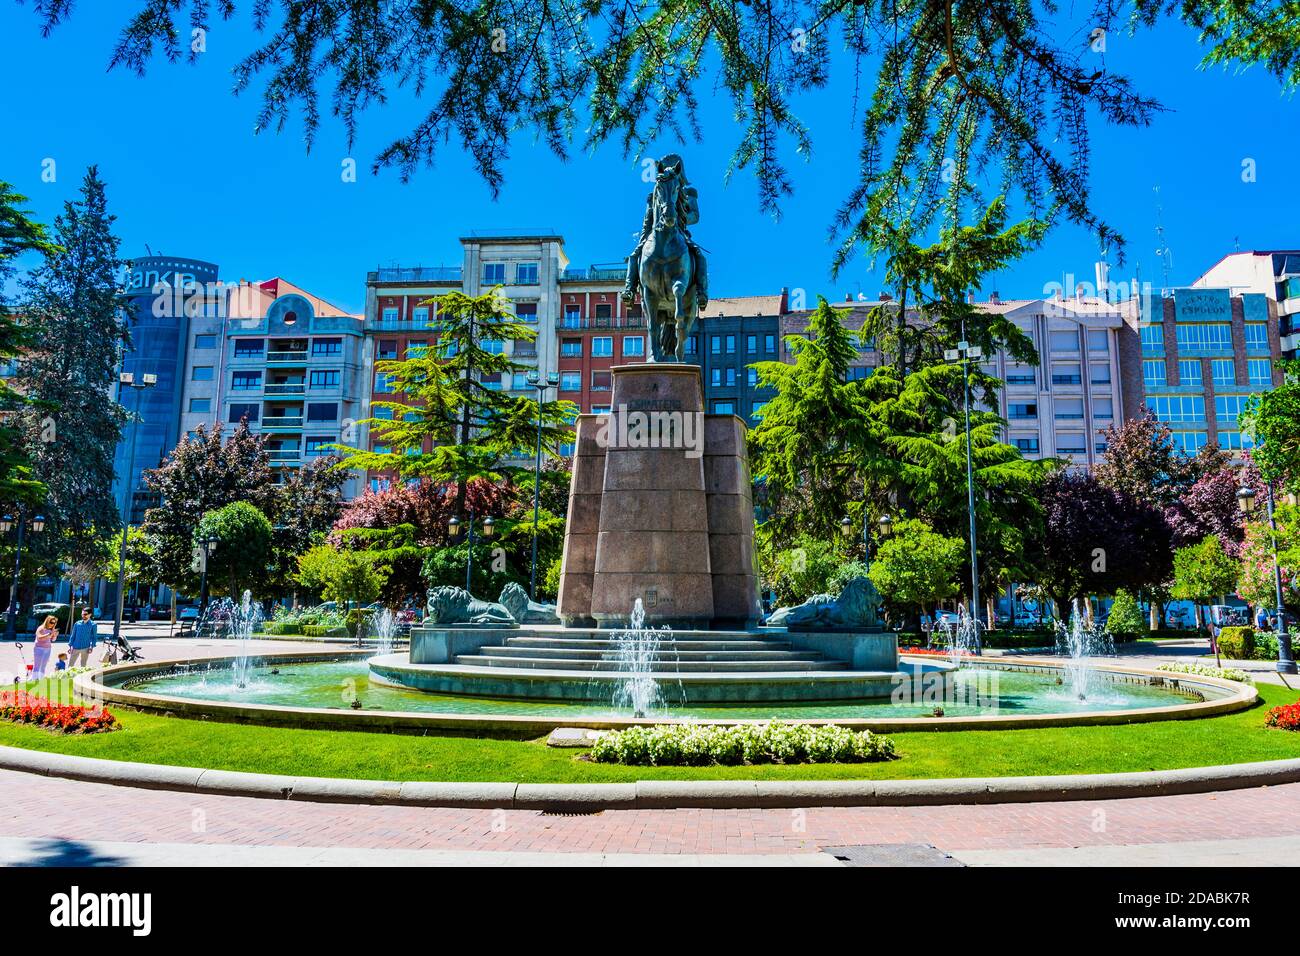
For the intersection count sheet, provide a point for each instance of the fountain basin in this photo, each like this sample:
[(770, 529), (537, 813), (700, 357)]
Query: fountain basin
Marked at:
[(307, 694)]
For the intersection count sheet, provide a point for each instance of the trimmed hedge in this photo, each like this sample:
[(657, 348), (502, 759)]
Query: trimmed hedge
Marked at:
[(278, 627), (322, 630), (1237, 642)]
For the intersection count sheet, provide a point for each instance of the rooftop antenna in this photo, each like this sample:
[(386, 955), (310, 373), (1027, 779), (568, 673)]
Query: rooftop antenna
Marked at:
[(148, 250), (1163, 251)]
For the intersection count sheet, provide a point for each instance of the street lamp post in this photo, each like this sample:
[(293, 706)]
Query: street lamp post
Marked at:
[(6, 523), (964, 353), (453, 527), (147, 380), (1246, 502), (542, 386), (846, 529), (207, 544)]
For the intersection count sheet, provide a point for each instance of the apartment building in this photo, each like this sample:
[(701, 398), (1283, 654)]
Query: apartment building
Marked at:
[(1202, 353), (289, 363), (597, 330), (732, 334), (1275, 274)]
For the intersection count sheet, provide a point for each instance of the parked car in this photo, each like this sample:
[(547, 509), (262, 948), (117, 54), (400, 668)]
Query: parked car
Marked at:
[(1178, 617)]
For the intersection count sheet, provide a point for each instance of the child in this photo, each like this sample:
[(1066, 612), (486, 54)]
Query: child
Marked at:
[(62, 663)]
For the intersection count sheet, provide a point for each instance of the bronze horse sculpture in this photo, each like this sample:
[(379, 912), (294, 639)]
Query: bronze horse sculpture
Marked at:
[(666, 271)]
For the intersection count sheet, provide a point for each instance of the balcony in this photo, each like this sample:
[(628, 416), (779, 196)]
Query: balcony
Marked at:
[(568, 324), (419, 274), (282, 421), (287, 356), (285, 388), (283, 454)]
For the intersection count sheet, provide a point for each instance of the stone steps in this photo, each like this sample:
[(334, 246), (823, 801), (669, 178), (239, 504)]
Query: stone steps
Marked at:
[(605, 644), (667, 666), (664, 653)]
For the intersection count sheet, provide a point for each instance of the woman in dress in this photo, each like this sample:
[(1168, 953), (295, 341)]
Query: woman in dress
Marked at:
[(46, 635)]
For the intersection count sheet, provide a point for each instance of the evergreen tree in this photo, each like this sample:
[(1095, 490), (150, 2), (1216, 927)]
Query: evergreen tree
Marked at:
[(203, 473), (305, 506), (815, 446), (77, 333)]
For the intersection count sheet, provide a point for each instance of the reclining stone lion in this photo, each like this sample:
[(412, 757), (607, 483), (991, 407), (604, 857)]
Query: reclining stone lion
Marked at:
[(858, 606), (452, 605), (515, 600)]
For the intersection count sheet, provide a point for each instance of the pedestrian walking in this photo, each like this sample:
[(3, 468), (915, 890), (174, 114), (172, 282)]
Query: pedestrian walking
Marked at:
[(85, 635), (46, 635)]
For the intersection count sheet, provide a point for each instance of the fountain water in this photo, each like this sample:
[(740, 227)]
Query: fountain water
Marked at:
[(636, 649), (1078, 642), (961, 639), (381, 627), (237, 622)]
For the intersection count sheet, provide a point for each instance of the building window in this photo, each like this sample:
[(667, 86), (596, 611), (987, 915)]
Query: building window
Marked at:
[(1153, 337), (1065, 341), (386, 349), (1260, 371), (326, 346), (1189, 371), (756, 412), (769, 343), (1099, 374), (715, 344), (724, 408), (1022, 410), (604, 311), (602, 346), (1069, 408), (1204, 336), (1235, 441), (1067, 374), (526, 312), (570, 348), (633, 345), (600, 409), (751, 377), (249, 348), (1027, 446), (1020, 375), (731, 345), (1177, 408), (240, 411), (493, 346), (1224, 372), (858, 373), (1071, 445), (201, 373), (200, 405), (1103, 408), (731, 375), (1227, 408), (324, 411), (1098, 340), (1153, 373), (243, 381), (1256, 336), (390, 315), (572, 316), (494, 273), (314, 445), (602, 381), (417, 348), (526, 273), (751, 343), (715, 376), (692, 344), (325, 378), (421, 316), (567, 448), (1189, 443), (383, 384), (491, 381), (570, 382), (205, 341)]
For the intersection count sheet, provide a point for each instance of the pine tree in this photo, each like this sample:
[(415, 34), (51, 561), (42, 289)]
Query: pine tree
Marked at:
[(450, 396), (77, 333)]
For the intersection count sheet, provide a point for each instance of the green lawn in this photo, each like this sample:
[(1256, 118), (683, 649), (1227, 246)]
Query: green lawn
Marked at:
[(1235, 738)]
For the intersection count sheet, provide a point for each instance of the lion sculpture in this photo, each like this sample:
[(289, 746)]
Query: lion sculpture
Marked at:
[(856, 608), (515, 600), (451, 605)]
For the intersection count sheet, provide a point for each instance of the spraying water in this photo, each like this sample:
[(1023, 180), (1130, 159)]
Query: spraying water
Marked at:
[(1077, 642), (636, 649), (237, 622), (960, 638), (381, 627)]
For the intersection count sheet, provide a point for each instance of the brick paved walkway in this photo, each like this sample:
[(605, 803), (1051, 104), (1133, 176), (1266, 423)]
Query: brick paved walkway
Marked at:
[(35, 806)]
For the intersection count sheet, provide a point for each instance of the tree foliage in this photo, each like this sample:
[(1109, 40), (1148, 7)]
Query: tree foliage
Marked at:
[(961, 91), (917, 567), (1204, 571), (1272, 420), (1142, 461), (77, 333), (238, 560)]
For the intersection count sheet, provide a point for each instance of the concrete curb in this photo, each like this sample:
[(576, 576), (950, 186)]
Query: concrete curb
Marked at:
[(657, 794)]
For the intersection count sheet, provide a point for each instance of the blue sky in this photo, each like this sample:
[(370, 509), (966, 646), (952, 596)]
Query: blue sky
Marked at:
[(187, 176)]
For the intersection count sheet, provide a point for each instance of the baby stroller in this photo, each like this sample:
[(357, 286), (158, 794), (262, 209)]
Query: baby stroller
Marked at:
[(120, 649)]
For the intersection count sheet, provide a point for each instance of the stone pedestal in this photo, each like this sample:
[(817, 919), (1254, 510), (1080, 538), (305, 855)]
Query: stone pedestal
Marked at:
[(660, 509)]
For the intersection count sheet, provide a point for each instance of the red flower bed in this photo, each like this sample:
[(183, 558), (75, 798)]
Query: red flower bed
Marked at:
[(932, 651), (22, 708), (1286, 717)]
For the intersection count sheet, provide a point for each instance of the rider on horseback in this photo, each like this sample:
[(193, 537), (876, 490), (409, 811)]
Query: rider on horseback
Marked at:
[(688, 213)]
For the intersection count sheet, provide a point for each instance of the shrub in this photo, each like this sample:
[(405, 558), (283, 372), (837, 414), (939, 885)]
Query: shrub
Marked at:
[(697, 745), (356, 618), (1237, 642), (1286, 717), (1226, 673), (1125, 616), (1265, 648)]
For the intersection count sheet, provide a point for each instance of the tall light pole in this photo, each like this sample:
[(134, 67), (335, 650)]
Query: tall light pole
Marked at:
[(454, 525), (965, 353), (846, 529), (127, 379), (6, 523), (542, 386), (1246, 502)]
